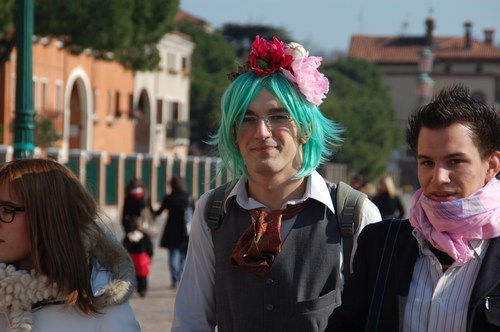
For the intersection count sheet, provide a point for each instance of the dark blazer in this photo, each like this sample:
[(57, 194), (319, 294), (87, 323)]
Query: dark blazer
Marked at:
[(356, 298)]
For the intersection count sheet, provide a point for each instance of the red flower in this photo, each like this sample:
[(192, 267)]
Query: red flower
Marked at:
[(267, 57)]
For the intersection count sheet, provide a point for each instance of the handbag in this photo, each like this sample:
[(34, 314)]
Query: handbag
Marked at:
[(148, 223)]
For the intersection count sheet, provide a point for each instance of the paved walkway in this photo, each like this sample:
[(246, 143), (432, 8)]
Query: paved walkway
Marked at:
[(155, 311)]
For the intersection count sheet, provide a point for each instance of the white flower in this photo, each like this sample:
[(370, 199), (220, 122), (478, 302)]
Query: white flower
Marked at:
[(296, 50)]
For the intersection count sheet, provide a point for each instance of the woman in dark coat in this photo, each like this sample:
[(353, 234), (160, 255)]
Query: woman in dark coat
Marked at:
[(180, 205)]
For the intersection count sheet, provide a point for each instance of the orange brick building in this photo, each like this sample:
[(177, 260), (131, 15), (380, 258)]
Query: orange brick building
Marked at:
[(88, 100)]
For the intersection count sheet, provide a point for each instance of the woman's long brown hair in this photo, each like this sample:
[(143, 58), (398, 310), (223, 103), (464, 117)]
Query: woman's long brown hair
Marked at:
[(58, 209)]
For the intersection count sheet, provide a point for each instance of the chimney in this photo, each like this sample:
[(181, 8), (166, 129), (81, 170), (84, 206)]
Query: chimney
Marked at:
[(488, 36), (468, 35), (429, 23)]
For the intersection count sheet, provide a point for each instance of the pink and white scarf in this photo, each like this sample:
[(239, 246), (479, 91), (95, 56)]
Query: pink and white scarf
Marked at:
[(449, 226)]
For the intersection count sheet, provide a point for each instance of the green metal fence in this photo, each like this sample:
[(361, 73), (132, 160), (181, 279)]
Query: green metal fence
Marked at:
[(106, 175)]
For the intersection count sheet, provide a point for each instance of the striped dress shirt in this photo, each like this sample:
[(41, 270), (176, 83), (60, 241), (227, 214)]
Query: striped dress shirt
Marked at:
[(437, 301)]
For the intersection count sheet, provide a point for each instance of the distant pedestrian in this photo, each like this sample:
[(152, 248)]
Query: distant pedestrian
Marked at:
[(135, 202), (387, 199), (175, 236), (140, 248), (359, 182)]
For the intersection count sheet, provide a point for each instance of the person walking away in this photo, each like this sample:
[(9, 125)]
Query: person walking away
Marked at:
[(61, 268), (140, 249), (263, 266), (387, 199), (175, 236), (439, 270)]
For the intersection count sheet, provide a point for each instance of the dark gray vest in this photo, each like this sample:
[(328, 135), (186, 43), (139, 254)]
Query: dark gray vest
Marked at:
[(301, 288)]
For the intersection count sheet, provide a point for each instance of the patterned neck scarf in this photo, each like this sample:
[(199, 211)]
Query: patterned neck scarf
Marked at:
[(259, 244), (449, 226)]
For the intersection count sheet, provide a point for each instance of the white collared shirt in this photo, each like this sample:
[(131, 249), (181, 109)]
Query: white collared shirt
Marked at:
[(195, 301), (437, 301)]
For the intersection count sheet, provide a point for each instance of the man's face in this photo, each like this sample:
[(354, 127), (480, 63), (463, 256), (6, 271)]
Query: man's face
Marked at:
[(449, 163), (269, 148)]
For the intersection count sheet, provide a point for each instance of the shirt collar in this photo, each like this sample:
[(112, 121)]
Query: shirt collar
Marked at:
[(478, 246), (316, 189)]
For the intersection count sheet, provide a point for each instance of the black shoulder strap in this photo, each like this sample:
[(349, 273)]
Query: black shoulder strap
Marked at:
[(348, 202), (214, 209), (382, 274)]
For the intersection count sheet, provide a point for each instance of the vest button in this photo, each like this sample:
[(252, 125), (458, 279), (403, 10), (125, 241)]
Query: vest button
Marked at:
[(270, 307), (270, 281)]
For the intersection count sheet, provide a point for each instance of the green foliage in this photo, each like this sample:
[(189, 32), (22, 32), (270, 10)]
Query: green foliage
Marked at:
[(45, 134), (241, 36), (100, 25), (7, 28), (130, 29), (360, 102), (213, 58), (6, 18), (151, 20)]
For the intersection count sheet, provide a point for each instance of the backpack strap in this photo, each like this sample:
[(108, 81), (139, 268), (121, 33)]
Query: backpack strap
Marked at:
[(347, 202), (214, 209)]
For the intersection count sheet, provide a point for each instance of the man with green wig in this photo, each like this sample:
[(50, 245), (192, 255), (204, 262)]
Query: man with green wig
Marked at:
[(274, 262)]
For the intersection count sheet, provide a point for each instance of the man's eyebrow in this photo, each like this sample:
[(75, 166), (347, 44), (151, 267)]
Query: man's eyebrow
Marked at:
[(448, 156)]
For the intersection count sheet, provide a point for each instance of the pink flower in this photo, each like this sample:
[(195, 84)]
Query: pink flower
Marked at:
[(313, 84)]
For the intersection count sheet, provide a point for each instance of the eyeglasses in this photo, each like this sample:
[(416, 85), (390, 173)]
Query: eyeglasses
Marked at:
[(273, 121), (8, 212)]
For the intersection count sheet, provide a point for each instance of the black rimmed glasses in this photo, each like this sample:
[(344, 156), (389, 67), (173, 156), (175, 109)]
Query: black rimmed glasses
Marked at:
[(272, 121), (8, 212)]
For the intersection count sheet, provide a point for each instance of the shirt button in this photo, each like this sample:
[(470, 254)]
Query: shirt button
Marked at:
[(269, 307), (270, 281)]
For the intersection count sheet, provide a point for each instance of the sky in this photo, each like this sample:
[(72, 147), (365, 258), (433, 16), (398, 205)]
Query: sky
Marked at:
[(327, 25)]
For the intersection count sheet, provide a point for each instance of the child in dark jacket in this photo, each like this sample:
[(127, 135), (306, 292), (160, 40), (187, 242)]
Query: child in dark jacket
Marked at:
[(140, 248)]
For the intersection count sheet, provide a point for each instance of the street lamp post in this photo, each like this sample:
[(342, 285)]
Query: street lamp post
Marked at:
[(24, 125), (425, 82)]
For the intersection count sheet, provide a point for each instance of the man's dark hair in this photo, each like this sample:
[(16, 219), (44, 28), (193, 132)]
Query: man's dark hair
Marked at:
[(455, 105)]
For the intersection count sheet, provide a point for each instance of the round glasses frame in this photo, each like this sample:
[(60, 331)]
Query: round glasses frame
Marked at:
[(273, 121), (8, 213)]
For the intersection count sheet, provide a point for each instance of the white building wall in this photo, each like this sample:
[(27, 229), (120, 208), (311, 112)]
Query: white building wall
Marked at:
[(170, 83)]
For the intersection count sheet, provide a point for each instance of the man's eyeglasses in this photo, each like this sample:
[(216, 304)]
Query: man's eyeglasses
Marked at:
[(8, 212), (273, 121)]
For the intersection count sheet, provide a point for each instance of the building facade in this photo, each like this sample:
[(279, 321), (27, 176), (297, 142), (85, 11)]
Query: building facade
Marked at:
[(445, 60), (97, 105), (163, 99)]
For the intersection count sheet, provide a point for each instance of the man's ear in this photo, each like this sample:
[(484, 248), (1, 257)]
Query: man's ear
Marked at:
[(304, 138), (494, 166)]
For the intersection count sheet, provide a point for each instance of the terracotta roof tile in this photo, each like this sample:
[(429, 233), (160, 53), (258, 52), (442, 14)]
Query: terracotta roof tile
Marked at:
[(406, 49)]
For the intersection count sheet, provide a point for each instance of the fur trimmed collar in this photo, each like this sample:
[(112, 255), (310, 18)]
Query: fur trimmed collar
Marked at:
[(20, 289)]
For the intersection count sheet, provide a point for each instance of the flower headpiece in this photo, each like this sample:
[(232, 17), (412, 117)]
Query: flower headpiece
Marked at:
[(293, 61)]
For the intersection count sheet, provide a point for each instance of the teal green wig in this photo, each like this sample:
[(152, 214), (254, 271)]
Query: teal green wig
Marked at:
[(324, 134)]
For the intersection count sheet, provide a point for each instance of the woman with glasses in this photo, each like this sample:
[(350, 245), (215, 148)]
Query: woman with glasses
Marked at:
[(60, 269)]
